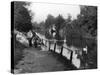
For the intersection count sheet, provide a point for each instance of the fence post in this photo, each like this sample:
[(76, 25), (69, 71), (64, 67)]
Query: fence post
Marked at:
[(42, 40), (71, 56), (45, 42), (49, 45), (61, 50), (55, 47)]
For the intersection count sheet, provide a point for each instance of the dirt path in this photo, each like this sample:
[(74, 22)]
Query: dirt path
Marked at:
[(36, 60)]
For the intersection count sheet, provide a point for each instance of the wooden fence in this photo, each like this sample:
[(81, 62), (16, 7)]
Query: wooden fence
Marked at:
[(55, 45)]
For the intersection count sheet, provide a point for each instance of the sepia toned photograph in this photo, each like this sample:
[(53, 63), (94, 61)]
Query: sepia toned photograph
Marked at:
[(52, 37)]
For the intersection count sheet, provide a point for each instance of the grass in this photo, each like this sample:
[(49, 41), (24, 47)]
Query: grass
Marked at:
[(18, 52)]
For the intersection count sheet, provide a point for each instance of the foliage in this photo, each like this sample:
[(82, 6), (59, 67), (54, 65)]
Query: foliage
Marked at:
[(88, 19), (85, 26), (22, 18), (47, 35), (49, 21), (58, 23)]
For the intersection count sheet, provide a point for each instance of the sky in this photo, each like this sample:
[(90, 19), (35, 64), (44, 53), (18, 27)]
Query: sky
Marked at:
[(42, 10)]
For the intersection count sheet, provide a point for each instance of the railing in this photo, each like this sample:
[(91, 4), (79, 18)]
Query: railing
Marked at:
[(55, 45)]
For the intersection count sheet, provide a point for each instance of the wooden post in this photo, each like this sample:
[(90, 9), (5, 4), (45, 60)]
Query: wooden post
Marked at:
[(54, 47), (45, 42), (61, 50), (42, 40), (49, 45), (71, 56)]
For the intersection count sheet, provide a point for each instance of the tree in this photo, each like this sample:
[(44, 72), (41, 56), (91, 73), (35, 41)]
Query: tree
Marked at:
[(85, 25), (65, 27), (88, 19), (84, 28), (58, 23), (49, 21), (22, 18), (89, 23)]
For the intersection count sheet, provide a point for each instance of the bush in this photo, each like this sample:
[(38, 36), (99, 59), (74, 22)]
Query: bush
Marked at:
[(92, 53)]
